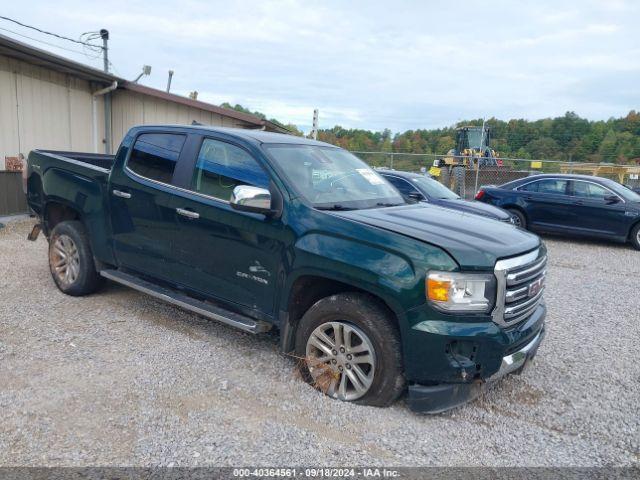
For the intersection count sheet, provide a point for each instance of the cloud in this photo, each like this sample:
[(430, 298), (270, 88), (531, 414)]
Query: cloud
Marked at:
[(372, 64)]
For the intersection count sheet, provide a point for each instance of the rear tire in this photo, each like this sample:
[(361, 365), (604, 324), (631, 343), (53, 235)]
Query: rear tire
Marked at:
[(635, 237), (518, 217), (367, 354), (71, 259)]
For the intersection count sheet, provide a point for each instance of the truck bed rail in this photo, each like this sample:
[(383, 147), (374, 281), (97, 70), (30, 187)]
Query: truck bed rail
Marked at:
[(96, 159)]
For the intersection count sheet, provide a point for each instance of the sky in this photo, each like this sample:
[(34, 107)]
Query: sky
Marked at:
[(372, 64)]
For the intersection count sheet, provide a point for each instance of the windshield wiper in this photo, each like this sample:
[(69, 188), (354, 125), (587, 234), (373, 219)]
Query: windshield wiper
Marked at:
[(383, 204), (336, 207)]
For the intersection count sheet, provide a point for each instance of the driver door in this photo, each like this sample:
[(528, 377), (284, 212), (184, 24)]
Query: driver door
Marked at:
[(220, 252), (593, 214)]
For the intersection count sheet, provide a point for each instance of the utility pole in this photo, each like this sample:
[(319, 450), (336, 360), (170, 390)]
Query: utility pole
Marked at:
[(107, 98), (104, 34), (314, 128)]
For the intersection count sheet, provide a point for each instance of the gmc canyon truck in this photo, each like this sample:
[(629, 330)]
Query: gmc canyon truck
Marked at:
[(260, 230)]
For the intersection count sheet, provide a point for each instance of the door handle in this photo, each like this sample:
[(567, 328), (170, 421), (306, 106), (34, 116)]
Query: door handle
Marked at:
[(187, 213), (121, 194)]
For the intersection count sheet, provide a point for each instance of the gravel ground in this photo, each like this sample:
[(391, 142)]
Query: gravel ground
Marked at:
[(119, 378)]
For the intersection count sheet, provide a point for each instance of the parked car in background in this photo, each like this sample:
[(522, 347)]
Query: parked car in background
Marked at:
[(635, 189), (417, 187), (570, 204), (260, 230)]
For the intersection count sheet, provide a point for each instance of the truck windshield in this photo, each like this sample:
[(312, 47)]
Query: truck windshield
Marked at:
[(333, 179)]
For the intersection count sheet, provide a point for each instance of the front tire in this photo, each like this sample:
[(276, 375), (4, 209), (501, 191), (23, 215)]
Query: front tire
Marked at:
[(635, 237), (71, 260), (351, 350)]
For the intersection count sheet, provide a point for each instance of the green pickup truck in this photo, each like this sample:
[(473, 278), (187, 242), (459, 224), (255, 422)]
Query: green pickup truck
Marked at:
[(267, 231)]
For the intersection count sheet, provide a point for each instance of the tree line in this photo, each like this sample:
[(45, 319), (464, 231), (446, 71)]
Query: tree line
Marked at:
[(565, 138)]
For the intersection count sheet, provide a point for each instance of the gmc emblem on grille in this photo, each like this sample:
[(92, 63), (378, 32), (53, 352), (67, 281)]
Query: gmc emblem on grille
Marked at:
[(535, 287)]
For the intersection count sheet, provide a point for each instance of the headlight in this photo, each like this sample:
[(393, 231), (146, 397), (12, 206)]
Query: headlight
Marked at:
[(461, 292)]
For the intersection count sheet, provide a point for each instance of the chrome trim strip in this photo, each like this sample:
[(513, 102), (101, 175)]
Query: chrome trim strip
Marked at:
[(532, 272), (187, 213), (513, 262), (73, 161), (515, 295), (121, 194), (514, 361), (522, 307), (522, 315), (180, 189)]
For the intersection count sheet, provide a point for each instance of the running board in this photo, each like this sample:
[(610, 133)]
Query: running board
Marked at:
[(188, 303)]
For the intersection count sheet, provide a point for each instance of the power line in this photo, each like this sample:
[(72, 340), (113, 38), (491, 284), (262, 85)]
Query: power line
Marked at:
[(48, 43), (80, 52), (51, 33)]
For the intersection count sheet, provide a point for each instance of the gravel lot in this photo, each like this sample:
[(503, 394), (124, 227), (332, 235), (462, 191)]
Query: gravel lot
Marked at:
[(119, 378)]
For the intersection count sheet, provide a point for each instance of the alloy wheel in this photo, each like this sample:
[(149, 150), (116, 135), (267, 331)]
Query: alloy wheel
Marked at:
[(341, 360), (65, 260)]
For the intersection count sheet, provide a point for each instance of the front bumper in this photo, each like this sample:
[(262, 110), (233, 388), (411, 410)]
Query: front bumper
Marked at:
[(439, 398)]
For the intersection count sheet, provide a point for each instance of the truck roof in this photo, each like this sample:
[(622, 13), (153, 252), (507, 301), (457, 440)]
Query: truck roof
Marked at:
[(258, 136)]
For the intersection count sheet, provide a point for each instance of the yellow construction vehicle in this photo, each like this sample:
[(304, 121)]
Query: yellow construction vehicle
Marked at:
[(472, 150)]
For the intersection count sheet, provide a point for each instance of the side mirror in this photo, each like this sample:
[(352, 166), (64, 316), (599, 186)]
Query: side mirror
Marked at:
[(611, 199), (246, 198), (417, 196)]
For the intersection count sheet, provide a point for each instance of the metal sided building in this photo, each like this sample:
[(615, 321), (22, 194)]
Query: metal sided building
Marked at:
[(48, 101)]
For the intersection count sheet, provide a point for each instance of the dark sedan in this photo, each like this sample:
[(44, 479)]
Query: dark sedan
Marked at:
[(570, 204), (416, 187)]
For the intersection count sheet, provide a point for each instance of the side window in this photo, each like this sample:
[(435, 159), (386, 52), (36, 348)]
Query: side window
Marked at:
[(154, 155), (404, 187), (529, 187), (589, 190), (221, 167), (553, 186)]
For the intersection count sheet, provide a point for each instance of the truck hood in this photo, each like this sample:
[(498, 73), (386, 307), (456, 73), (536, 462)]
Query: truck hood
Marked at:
[(474, 242), (472, 206)]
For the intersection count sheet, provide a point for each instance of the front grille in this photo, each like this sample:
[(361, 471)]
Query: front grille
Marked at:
[(521, 282)]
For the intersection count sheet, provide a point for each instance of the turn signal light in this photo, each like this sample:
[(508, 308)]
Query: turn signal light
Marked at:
[(438, 290)]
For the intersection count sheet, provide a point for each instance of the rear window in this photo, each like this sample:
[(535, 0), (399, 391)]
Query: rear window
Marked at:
[(550, 185), (154, 155)]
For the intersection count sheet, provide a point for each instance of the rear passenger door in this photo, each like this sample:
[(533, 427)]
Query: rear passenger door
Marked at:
[(547, 203), (142, 217), (220, 252)]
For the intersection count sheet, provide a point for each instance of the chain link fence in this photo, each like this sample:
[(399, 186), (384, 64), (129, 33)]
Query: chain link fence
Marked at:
[(466, 175)]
